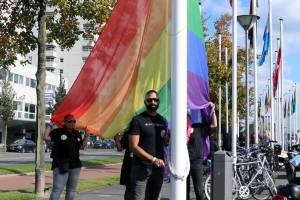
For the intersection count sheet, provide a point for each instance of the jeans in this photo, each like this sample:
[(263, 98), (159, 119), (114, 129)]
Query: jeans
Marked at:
[(68, 179), (146, 182), (196, 172)]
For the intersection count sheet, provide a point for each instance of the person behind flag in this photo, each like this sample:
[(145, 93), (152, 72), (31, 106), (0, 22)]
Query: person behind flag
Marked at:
[(147, 137), (66, 164), (121, 141), (198, 148)]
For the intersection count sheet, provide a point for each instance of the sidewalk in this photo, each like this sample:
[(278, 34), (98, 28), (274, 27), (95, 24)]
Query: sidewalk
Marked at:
[(18, 182)]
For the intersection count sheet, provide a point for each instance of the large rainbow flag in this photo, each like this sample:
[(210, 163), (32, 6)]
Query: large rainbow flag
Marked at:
[(131, 56)]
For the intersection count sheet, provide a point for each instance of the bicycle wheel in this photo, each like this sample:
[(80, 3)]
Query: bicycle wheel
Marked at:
[(259, 188), (207, 188)]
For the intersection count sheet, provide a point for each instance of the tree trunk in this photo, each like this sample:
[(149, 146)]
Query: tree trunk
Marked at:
[(40, 92), (4, 136)]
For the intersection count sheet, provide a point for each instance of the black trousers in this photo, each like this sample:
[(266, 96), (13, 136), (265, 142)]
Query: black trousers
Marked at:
[(196, 173)]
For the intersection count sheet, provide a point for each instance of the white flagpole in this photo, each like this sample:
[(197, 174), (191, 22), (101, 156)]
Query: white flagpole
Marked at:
[(295, 114), (281, 84), (234, 78), (290, 120), (255, 75), (220, 95), (247, 93), (271, 70), (179, 157), (226, 91)]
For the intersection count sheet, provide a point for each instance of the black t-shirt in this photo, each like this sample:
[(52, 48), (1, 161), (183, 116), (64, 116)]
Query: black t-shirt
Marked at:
[(66, 146), (150, 129), (195, 145)]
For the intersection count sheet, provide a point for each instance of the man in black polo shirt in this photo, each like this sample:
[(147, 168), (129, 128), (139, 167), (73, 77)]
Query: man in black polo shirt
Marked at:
[(147, 135)]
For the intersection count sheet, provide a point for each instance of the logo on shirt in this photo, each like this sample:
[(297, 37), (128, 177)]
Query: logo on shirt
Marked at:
[(63, 137), (154, 124)]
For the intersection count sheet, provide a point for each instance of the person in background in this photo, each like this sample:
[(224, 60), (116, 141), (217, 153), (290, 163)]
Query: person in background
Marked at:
[(66, 164), (122, 144), (147, 136), (197, 141)]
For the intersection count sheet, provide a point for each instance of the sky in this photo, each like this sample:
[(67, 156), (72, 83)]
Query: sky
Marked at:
[(288, 10)]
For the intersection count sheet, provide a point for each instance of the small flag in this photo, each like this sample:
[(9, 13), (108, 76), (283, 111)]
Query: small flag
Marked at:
[(230, 1), (276, 72), (265, 49), (294, 102), (284, 109)]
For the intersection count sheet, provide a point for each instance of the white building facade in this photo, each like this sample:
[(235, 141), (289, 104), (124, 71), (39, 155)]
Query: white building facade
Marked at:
[(23, 81)]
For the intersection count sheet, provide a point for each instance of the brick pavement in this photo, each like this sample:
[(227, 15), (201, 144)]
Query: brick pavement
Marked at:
[(19, 182)]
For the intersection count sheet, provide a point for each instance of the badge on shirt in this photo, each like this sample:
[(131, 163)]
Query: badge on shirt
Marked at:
[(63, 137), (162, 133)]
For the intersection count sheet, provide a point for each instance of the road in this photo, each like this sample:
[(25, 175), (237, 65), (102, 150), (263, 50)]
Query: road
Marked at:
[(10, 158)]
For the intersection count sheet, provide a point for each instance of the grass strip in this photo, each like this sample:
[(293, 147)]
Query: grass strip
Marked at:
[(27, 168), (83, 185)]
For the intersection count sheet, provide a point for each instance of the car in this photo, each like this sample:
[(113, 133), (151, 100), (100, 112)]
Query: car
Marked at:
[(22, 145), (98, 144)]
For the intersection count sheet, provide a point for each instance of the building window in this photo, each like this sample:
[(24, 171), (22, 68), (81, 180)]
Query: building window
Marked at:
[(30, 59), (32, 83), (87, 26), (84, 59), (10, 76), (27, 81), (50, 47), (29, 111), (61, 60), (18, 105), (86, 48), (50, 59), (18, 79), (88, 37)]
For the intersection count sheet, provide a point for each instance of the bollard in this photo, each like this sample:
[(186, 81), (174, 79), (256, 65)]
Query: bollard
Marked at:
[(222, 176)]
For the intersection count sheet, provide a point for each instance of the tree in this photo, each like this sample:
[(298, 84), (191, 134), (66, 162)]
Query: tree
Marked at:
[(54, 20), (7, 113), (218, 74), (59, 95)]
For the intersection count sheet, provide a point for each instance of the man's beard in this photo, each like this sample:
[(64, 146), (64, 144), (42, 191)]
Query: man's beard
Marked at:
[(152, 107)]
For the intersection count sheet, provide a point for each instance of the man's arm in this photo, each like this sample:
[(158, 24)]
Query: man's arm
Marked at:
[(46, 135), (213, 123), (139, 152)]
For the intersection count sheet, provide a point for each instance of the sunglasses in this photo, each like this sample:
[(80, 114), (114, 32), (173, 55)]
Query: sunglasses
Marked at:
[(71, 121), (152, 99)]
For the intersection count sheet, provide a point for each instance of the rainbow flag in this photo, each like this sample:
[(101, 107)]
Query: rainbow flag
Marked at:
[(131, 56)]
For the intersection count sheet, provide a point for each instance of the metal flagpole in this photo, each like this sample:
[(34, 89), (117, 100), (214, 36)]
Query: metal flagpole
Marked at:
[(281, 83), (220, 95), (234, 78), (247, 92), (226, 91), (295, 114), (255, 75), (290, 120), (271, 70), (179, 157)]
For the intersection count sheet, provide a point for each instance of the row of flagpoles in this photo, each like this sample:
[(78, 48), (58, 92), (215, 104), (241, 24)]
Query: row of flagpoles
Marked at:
[(278, 120)]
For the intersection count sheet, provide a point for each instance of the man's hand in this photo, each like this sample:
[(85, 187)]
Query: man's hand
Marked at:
[(158, 162), (212, 105)]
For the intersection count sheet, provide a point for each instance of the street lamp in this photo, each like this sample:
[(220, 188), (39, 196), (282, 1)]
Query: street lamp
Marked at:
[(247, 21)]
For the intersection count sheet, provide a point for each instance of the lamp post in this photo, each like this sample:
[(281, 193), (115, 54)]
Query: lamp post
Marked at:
[(247, 21)]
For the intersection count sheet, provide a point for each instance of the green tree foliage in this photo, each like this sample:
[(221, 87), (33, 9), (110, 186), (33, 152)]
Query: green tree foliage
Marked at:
[(29, 24), (219, 74), (7, 113)]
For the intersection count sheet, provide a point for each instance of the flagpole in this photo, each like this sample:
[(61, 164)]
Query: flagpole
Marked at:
[(255, 74), (179, 157), (234, 79), (290, 121), (281, 83), (271, 70), (296, 113), (294, 110), (220, 94), (226, 91), (247, 92)]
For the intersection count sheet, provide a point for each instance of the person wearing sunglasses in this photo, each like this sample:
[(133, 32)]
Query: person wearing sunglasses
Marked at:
[(147, 137), (66, 164)]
